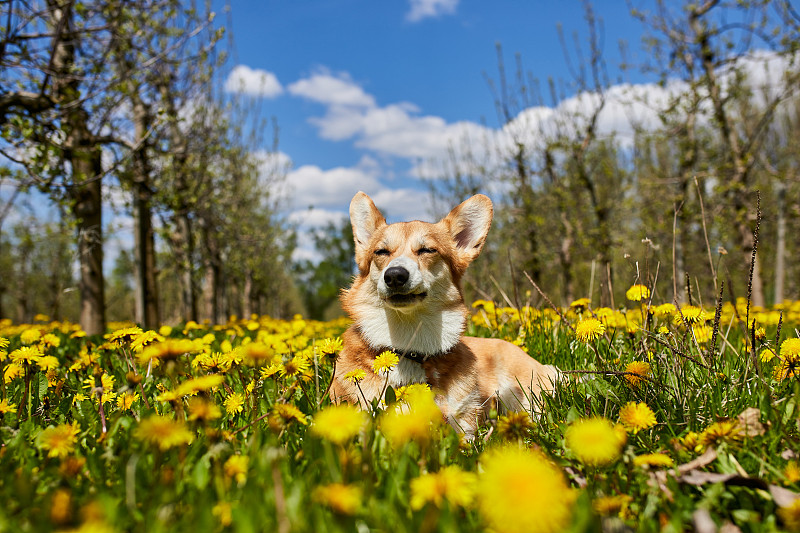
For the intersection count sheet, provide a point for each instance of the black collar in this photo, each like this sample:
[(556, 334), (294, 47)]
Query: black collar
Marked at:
[(417, 357), (414, 356)]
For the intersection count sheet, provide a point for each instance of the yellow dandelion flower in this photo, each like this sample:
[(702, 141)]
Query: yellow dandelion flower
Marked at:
[(589, 330), (663, 330), (163, 432), (539, 498), (450, 484), (224, 513), (61, 506), (168, 350), (612, 505), (792, 472), (641, 369), (580, 305), (790, 348), (295, 366), (7, 407), (692, 314), (331, 346), (165, 331), (654, 459), (760, 334), (702, 333), (124, 336), (384, 362), (199, 384), (25, 354), (51, 341), (30, 336), (59, 441), (355, 376), (202, 409), (766, 355), (637, 293), (339, 423), (636, 417), (146, 338), (215, 362), (287, 412), (665, 310), (270, 371), (727, 430), (12, 371), (595, 441), (126, 399), (402, 392), (790, 515), (416, 422), (514, 425), (47, 362), (236, 468), (257, 353), (790, 360), (106, 384), (3, 343), (340, 498), (234, 403)]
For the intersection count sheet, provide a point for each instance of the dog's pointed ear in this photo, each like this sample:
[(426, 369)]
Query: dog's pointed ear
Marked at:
[(365, 218), (469, 224)]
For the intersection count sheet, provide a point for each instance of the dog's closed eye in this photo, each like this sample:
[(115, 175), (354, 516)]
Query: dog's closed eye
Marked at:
[(426, 251), (382, 251)]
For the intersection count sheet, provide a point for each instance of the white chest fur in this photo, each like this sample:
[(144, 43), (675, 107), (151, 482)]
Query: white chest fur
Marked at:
[(426, 332)]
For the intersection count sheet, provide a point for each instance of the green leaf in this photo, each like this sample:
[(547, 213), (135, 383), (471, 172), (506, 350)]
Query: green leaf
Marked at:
[(390, 396)]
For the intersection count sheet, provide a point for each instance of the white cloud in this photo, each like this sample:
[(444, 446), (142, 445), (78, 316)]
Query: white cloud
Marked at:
[(253, 82), (325, 88), (315, 218), (400, 205), (311, 186), (394, 130), (422, 9)]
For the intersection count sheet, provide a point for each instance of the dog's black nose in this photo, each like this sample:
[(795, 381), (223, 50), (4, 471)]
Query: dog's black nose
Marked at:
[(395, 277)]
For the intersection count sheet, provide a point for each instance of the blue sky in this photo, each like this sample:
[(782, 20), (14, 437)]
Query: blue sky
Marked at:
[(365, 92)]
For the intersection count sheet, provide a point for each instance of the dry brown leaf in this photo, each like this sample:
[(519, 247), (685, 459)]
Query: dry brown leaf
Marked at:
[(729, 527), (708, 457), (783, 497), (750, 422), (691, 474)]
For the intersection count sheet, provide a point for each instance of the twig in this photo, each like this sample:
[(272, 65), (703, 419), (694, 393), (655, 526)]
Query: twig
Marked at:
[(717, 315), (705, 232), (556, 309)]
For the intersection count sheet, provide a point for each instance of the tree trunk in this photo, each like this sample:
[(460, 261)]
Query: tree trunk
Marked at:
[(565, 259), (780, 246), (185, 258), (86, 193), (144, 239), (211, 266), (85, 189), (247, 295)]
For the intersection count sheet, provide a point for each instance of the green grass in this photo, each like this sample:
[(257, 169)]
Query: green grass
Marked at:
[(118, 480)]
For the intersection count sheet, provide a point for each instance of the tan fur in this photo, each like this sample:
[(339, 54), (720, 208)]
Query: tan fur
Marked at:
[(427, 315)]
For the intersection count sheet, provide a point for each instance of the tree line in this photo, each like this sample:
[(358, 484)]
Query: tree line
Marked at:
[(114, 98), (685, 202), (106, 97)]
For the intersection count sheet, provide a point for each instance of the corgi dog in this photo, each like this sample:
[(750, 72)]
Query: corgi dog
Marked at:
[(407, 298)]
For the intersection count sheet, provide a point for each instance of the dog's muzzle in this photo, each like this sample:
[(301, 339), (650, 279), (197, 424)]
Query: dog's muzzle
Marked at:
[(396, 280)]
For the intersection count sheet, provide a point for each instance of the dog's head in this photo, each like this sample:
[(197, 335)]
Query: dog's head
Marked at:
[(410, 263)]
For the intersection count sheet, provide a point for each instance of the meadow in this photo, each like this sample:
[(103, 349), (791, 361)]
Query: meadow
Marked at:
[(669, 418)]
